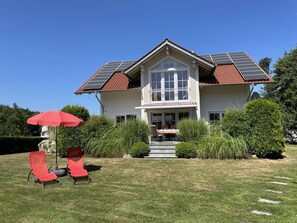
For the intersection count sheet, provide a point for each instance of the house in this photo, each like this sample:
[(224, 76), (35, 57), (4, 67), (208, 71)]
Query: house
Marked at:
[(170, 83)]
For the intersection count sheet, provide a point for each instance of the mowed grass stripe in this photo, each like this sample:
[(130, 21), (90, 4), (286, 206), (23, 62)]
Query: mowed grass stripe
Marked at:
[(138, 190)]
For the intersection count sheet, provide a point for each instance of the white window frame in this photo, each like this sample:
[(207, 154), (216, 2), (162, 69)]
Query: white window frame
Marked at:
[(123, 114), (162, 71), (163, 112)]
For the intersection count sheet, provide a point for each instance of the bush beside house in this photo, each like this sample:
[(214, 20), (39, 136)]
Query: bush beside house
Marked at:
[(265, 122)]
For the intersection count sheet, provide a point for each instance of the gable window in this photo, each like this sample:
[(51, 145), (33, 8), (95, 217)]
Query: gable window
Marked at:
[(169, 81)]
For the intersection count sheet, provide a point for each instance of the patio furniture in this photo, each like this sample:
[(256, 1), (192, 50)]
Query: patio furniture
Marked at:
[(155, 133), (75, 165), (39, 170)]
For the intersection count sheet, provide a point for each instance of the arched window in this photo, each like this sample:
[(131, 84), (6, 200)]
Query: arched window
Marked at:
[(169, 81)]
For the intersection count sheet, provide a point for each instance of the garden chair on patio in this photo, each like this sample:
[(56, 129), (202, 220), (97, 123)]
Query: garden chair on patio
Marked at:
[(155, 133), (75, 165), (39, 171)]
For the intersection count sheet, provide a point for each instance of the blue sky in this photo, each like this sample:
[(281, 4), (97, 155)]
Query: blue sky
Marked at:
[(48, 49)]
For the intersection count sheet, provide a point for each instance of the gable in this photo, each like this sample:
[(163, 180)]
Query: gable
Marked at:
[(167, 46), (223, 68)]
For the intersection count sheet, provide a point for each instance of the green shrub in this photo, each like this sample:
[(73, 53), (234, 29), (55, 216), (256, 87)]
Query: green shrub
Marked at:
[(71, 136), (15, 144), (139, 150), (96, 127), (234, 123), (79, 111), (265, 123), (109, 145), (185, 150), (192, 130), (134, 131), (222, 146)]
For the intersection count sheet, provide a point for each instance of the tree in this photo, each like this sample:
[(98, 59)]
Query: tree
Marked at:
[(283, 91), (265, 64), (13, 121), (72, 136)]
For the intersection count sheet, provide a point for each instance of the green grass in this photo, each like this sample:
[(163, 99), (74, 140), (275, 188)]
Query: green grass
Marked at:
[(137, 190)]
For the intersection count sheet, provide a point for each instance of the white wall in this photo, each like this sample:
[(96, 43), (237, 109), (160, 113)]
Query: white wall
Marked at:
[(121, 102), (220, 98)]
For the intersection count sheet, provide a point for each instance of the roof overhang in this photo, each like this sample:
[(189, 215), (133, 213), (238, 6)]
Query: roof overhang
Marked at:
[(162, 45)]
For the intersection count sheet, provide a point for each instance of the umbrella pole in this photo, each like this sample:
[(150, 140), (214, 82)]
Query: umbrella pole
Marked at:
[(56, 147)]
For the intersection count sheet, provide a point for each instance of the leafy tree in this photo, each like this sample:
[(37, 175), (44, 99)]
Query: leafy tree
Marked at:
[(13, 121), (72, 136), (283, 91), (265, 64)]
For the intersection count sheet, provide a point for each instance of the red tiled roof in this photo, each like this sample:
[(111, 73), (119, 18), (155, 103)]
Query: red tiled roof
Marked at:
[(227, 74), (119, 82)]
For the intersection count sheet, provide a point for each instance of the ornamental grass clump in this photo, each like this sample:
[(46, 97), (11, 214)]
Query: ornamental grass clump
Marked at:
[(222, 146), (109, 145), (192, 130), (134, 131)]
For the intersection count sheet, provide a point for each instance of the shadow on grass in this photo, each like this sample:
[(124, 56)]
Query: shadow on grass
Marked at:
[(92, 167)]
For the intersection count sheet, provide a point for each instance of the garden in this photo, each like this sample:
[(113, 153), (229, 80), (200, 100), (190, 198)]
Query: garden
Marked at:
[(255, 131)]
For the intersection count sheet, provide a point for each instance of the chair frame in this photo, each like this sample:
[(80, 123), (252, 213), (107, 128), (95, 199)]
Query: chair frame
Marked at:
[(35, 179), (75, 178)]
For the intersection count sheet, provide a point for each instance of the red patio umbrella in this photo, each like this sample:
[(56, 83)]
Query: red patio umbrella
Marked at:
[(55, 118)]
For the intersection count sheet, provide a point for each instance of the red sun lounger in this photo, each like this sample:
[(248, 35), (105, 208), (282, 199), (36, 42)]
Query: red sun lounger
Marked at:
[(39, 169), (75, 164)]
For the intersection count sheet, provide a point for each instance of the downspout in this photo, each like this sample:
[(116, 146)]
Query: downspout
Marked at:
[(98, 99), (251, 91)]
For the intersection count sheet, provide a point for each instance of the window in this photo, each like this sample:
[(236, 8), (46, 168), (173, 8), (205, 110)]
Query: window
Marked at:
[(122, 118), (182, 80), (169, 86), (130, 117), (215, 116), (156, 86), (169, 81), (157, 120), (183, 115), (170, 121)]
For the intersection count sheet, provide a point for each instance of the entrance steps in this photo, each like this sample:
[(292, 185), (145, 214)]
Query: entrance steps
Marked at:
[(162, 150)]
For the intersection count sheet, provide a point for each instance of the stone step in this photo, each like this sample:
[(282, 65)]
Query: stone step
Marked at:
[(163, 151), (161, 147), (157, 155)]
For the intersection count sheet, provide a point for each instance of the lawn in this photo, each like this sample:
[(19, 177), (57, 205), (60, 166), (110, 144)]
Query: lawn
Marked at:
[(137, 190)]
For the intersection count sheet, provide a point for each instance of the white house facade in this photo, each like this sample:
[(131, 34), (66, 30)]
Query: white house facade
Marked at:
[(170, 83)]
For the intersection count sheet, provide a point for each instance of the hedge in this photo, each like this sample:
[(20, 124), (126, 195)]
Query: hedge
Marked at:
[(265, 122), (10, 144)]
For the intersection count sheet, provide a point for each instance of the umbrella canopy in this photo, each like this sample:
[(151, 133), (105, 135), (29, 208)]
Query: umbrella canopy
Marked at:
[(55, 118)]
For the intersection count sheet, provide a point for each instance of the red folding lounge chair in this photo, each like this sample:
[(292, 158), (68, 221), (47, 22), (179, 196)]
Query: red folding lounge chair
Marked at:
[(39, 170), (75, 165)]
